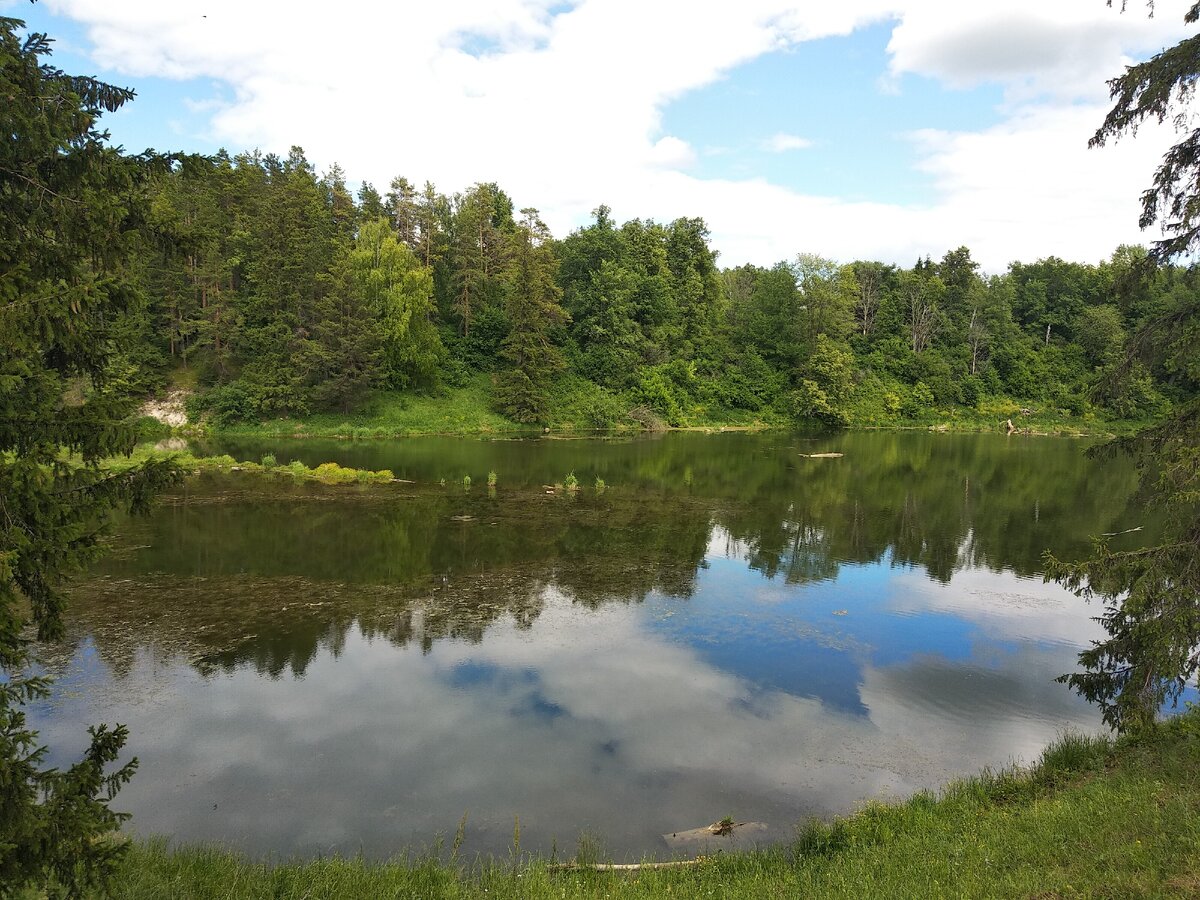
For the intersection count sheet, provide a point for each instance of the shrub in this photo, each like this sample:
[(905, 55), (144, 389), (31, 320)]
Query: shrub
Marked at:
[(809, 401), (919, 402)]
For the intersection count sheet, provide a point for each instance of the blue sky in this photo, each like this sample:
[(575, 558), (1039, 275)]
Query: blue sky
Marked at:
[(879, 129), (858, 132)]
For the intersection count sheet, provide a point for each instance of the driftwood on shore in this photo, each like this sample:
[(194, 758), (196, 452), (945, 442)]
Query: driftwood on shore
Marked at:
[(719, 836), (623, 867)]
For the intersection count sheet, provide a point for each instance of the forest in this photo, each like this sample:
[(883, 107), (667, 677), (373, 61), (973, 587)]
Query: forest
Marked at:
[(277, 291)]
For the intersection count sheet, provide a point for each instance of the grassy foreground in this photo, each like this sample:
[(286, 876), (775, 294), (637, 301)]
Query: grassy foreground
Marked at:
[(1092, 818)]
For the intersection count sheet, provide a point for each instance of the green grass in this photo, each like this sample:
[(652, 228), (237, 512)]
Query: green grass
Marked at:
[(578, 405), (463, 410), (1090, 819)]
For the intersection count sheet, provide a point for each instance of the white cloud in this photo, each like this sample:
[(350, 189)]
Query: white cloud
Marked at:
[(563, 108), (1067, 48), (672, 153), (782, 143)]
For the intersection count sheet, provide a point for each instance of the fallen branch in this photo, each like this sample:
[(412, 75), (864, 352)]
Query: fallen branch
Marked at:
[(623, 867)]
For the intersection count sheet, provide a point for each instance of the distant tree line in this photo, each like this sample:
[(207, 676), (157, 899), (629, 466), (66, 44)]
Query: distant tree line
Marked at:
[(291, 296)]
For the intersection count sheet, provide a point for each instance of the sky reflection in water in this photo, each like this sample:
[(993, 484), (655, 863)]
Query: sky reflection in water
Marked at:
[(748, 657)]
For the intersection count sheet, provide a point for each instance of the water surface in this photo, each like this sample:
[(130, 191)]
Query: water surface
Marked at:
[(729, 628)]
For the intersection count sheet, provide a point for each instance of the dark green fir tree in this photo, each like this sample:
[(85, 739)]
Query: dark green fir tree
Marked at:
[(71, 208)]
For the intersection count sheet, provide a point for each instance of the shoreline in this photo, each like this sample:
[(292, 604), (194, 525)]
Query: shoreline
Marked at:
[(1106, 430), (1094, 815)]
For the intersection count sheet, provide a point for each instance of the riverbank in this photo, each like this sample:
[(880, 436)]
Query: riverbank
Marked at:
[(1093, 817), (468, 411)]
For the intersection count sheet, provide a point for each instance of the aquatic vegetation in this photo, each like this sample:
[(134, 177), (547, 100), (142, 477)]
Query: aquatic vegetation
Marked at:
[(330, 472), (571, 483), (600, 485), (491, 480)]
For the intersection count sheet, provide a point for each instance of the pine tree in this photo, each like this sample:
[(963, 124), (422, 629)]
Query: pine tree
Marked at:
[(341, 353), (534, 312), (71, 208)]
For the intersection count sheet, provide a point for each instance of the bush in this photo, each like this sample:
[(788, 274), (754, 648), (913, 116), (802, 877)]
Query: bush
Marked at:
[(809, 401), (151, 429), (227, 404), (663, 389), (919, 402)]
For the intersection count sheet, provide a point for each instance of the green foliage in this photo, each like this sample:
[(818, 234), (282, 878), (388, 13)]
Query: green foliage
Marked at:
[(398, 292), (72, 209), (826, 383), (918, 402), (1152, 595), (534, 313), (289, 302)]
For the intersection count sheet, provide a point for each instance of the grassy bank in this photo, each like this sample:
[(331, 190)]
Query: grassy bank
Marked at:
[(1091, 818), (464, 410), (578, 406)]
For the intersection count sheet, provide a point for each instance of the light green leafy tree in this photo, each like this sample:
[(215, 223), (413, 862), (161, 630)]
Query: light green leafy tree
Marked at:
[(398, 291)]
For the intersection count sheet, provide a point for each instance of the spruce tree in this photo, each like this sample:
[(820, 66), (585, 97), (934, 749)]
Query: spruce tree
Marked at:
[(534, 312), (1152, 594), (71, 208)]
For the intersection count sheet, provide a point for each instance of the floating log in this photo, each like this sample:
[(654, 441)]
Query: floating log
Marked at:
[(822, 455)]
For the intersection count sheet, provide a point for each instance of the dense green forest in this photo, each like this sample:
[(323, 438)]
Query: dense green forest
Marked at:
[(277, 292)]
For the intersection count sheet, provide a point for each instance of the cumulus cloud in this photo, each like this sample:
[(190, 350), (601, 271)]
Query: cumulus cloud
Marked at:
[(563, 104), (1067, 48)]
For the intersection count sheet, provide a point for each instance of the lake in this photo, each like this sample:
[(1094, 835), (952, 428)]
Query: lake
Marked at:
[(726, 628)]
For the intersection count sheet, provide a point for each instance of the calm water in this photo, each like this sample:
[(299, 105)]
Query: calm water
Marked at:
[(728, 629)]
